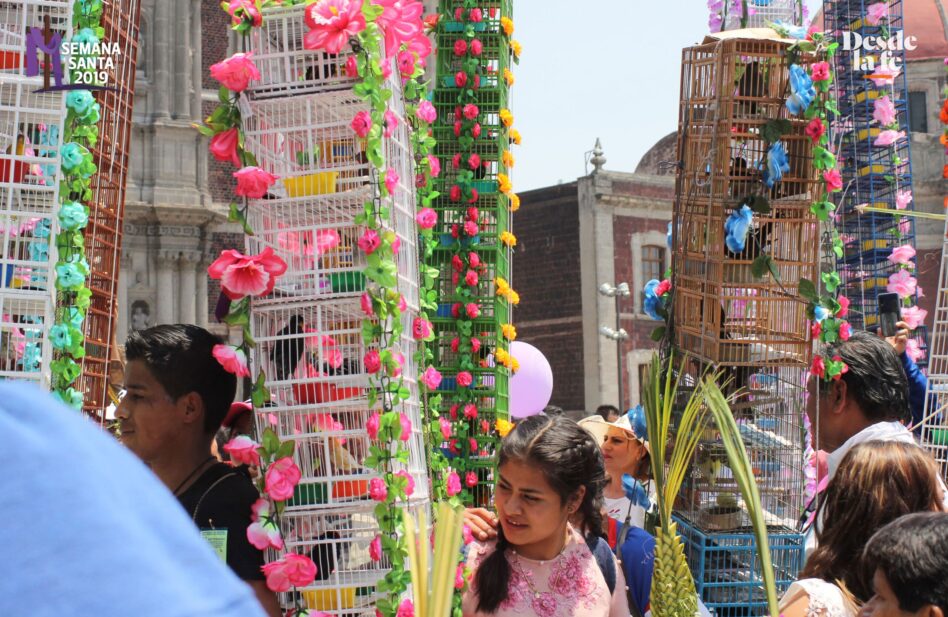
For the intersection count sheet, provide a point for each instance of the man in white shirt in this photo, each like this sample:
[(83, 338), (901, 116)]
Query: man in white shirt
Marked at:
[(868, 403)]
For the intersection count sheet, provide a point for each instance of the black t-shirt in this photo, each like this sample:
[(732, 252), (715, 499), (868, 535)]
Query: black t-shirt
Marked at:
[(220, 500)]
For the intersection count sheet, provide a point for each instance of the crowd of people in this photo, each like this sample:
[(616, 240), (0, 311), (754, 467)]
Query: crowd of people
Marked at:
[(568, 534)]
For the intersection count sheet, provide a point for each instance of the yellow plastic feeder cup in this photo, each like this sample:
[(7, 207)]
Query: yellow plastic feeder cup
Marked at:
[(319, 183), (330, 599)]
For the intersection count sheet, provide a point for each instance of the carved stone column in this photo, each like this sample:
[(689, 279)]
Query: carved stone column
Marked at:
[(167, 263), (189, 264), (121, 322), (202, 300), (182, 61), (163, 33)]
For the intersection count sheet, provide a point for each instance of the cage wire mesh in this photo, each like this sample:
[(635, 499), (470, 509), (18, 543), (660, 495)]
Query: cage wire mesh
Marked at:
[(761, 13), (934, 425), (753, 329), (30, 150), (103, 235), (309, 330), (286, 67)]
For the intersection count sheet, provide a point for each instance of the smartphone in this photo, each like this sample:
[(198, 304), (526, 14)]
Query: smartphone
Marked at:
[(889, 313)]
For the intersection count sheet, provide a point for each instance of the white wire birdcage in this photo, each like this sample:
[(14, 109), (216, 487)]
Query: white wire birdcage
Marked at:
[(764, 12), (16, 20), (286, 67)]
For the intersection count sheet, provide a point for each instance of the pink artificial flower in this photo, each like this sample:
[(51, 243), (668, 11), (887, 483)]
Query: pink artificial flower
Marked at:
[(455, 344), (243, 451), (372, 426), (324, 241), (471, 111), (375, 549), (431, 378), (236, 72), (435, 164), (409, 482), (820, 71), (663, 288), (473, 198), (460, 47), (470, 411), (391, 180), (406, 64), (471, 228), (262, 532), (465, 379), (903, 199), (402, 303), (475, 345), (459, 576), (473, 311), (292, 570), (905, 226), (426, 218), (370, 241), (460, 79), (876, 13), (455, 193), (913, 350), (365, 302), (352, 67), (420, 45), (884, 111), (332, 23), (476, 15), (914, 316), (453, 484), (888, 137), (815, 329), (467, 535), (903, 255), (253, 182), (386, 69), (224, 146), (400, 22), (421, 328), (885, 77), (426, 112), (232, 359), (476, 47), (240, 10), (445, 427), (470, 479), (476, 130), (845, 331), (833, 179), (902, 283), (405, 423), (474, 161), (471, 279), (406, 609), (473, 258), (372, 361), (377, 489), (282, 477), (362, 123), (842, 371), (818, 367), (815, 130), (456, 160), (390, 123), (843, 306), (241, 275)]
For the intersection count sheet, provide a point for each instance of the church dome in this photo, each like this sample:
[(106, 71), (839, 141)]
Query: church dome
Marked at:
[(927, 21), (665, 149)]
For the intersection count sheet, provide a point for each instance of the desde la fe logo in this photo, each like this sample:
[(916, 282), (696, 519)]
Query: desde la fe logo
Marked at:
[(89, 61), (878, 54)]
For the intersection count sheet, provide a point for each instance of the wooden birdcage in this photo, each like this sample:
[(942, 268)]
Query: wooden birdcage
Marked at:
[(723, 312), (103, 235)]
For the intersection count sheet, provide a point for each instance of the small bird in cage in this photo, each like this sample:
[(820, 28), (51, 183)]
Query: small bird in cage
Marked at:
[(287, 353)]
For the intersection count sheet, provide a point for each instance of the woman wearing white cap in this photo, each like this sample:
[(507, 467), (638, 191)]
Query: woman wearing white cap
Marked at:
[(625, 451)]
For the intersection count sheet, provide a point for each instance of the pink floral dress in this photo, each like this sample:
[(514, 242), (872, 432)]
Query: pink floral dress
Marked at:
[(571, 585)]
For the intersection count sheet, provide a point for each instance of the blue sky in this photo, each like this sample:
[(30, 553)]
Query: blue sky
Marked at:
[(598, 68)]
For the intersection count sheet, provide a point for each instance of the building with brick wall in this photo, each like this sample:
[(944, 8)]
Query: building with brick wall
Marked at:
[(606, 227)]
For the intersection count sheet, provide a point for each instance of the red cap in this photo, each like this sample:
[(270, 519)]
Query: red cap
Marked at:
[(236, 410)]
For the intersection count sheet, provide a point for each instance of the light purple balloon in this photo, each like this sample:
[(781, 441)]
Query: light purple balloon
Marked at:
[(532, 386)]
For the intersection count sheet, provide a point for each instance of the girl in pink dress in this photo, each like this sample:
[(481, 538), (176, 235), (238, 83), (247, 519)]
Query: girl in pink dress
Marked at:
[(550, 473)]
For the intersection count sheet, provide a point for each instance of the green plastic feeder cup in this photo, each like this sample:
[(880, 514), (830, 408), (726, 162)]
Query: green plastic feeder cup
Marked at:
[(343, 282), (308, 495)]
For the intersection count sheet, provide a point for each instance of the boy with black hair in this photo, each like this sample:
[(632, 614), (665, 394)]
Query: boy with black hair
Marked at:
[(911, 557), (176, 396)]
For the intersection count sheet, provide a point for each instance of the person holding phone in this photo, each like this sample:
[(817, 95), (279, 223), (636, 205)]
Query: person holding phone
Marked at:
[(896, 332)]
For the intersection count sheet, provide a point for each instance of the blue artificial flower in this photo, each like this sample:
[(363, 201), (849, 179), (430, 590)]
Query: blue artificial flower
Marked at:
[(801, 90), (39, 251), (42, 229), (86, 35), (72, 155), (73, 216), (59, 336), (789, 31), (635, 492), (70, 398), (820, 313), (79, 101), (777, 164), (32, 356), (636, 417), (93, 115), (74, 317), (736, 227), (70, 275), (652, 302)]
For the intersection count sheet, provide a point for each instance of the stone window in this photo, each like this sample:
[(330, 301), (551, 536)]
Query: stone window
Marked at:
[(918, 112)]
